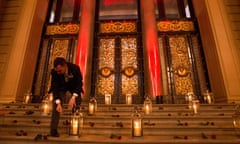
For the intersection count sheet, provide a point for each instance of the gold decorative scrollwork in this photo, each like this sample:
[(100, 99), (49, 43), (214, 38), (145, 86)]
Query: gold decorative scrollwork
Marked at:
[(118, 27), (173, 26), (181, 65), (62, 29), (105, 79), (129, 66)]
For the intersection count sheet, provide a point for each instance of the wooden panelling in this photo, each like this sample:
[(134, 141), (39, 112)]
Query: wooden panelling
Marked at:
[(8, 23), (233, 14)]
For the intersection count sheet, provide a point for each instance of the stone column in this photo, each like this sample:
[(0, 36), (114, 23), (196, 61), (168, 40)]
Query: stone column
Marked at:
[(85, 41), (150, 41)]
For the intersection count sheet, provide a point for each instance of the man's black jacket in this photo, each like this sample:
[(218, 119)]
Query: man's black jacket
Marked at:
[(71, 81)]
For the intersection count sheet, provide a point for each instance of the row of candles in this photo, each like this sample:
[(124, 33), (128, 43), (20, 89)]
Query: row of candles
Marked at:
[(137, 129), (76, 122)]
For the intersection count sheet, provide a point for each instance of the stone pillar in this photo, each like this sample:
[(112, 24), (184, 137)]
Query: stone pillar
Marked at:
[(151, 50), (85, 41)]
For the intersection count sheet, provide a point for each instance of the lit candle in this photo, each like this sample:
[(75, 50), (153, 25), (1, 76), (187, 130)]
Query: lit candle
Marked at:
[(45, 108), (107, 99), (91, 108), (51, 97), (75, 126), (27, 98), (147, 109), (194, 108), (137, 128), (129, 99), (195, 105), (209, 100)]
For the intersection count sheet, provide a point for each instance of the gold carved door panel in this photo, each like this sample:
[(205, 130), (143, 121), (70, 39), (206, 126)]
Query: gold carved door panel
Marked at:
[(117, 68), (181, 65)]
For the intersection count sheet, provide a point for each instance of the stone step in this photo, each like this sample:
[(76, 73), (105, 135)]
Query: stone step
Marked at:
[(122, 139), (166, 124)]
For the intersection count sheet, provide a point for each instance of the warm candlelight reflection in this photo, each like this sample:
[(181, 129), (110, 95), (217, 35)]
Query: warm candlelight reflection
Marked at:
[(195, 106), (76, 124), (208, 97), (128, 99), (137, 130), (107, 99), (147, 105), (92, 106), (45, 107)]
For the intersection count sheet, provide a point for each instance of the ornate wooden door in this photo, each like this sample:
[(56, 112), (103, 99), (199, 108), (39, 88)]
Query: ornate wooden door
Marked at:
[(118, 68)]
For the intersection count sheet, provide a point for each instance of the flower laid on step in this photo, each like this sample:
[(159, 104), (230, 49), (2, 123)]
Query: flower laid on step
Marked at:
[(221, 114), (160, 108), (66, 122), (21, 133), (204, 123), (21, 106), (2, 112), (149, 124), (29, 112), (180, 137), (114, 136), (114, 108), (213, 136), (219, 107), (179, 123), (39, 137), (119, 124), (82, 108), (91, 124), (14, 121), (36, 122), (169, 114), (7, 106), (11, 112), (116, 115), (204, 136)]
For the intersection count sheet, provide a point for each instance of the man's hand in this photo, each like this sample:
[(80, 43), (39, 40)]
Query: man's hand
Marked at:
[(72, 102), (59, 108)]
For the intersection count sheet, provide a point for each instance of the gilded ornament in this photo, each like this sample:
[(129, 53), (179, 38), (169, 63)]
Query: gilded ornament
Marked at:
[(106, 72), (62, 29), (129, 71), (118, 27), (173, 26), (182, 72)]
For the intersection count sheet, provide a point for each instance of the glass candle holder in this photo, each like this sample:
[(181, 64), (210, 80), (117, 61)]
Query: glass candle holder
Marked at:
[(128, 99), (208, 97), (108, 99), (147, 105), (137, 129), (76, 124), (92, 106)]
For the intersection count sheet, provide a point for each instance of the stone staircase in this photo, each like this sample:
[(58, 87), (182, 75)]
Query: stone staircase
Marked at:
[(168, 123)]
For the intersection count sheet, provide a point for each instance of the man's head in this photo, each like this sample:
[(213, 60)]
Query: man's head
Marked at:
[(60, 65)]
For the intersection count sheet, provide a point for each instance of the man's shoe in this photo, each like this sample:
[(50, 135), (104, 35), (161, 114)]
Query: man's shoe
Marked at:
[(54, 133)]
